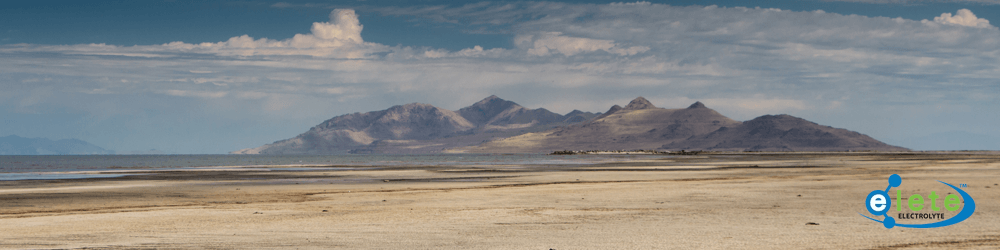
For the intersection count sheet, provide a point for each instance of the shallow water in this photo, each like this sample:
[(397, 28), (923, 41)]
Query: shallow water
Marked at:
[(68, 166), (52, 176)]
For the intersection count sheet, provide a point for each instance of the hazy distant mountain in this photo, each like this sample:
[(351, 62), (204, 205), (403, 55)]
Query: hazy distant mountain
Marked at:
[(579, 116), (781, 133), (414, 121), (16, 145), (418, 128), (494, 113), (494, 125), (641, 125)]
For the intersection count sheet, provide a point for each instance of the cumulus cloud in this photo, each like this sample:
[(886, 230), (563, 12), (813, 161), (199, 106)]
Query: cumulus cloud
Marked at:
[(963, 17), (338, 38), (341, 38)]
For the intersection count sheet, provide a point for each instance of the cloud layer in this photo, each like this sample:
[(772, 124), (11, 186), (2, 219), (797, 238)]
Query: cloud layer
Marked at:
[(843, 70)]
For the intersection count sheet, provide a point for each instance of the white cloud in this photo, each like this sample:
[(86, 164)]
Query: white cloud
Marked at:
[(547, 43), (964, 17), (200, 94), (743, 61), (339, 38)]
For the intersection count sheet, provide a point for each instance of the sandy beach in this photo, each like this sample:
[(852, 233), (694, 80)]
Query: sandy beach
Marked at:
[(756, 201)]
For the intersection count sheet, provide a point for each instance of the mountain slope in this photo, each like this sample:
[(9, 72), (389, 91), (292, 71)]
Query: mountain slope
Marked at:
[(639, 125), (781, 133), (493, 113), (414, 121), (494, 125), (418, 128), (578, 116), (16, 145)]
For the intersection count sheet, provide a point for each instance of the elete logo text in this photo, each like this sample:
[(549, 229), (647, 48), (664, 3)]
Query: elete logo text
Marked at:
[(878, 203)]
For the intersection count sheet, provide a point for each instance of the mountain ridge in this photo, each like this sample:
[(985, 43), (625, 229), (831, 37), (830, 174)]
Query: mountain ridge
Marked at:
[(495, 125), (403, 127), (780, 133), (16, 145)]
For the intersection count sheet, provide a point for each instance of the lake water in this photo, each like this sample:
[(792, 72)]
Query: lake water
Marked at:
[(21, 167)]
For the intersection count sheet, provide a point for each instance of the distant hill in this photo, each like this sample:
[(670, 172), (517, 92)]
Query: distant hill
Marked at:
[(494, 125), (494, 113), (579, 116), (414, 121), (16, 145), (418, 128), (780, 133), (639, 125)]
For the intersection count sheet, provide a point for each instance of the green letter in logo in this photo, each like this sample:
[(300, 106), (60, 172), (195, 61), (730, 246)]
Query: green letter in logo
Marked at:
[(933, 198), (916, 202), (951, 202)]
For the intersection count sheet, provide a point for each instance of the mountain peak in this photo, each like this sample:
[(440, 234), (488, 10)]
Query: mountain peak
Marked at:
[(485, 110), (697, 105), (574, 112), (639, 103), (489, 99), (613, 109)]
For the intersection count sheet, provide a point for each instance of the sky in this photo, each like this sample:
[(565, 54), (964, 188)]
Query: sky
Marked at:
[(191, 77)]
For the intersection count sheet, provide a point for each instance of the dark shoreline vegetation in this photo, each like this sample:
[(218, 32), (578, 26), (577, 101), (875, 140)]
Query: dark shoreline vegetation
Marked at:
[(623, 152)]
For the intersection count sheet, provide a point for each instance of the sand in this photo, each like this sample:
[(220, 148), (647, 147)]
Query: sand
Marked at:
[(792, 201)]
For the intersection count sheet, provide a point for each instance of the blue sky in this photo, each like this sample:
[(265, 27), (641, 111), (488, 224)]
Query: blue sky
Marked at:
[(193, 77)]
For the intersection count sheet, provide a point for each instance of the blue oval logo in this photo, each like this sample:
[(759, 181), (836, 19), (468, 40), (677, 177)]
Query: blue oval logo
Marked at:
[(878, 203)]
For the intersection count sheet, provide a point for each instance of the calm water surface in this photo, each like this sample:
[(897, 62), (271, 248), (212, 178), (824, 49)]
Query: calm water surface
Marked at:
[(57, 166)]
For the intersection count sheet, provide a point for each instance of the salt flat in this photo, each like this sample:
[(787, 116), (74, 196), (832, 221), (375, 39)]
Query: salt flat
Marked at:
[(762, 201)]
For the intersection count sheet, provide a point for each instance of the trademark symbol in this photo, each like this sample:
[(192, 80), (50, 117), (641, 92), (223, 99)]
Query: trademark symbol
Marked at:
[(963, 185)]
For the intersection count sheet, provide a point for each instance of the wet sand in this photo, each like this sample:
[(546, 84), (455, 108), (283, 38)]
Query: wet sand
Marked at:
[(794, 201)]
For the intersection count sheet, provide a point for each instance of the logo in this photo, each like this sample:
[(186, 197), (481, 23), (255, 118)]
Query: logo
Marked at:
[(878, 203)]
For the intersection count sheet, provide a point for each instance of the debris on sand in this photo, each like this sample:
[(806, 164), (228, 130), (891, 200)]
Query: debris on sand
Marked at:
[(812, 223)]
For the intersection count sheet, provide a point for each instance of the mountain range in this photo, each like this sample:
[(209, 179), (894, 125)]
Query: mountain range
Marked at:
[(16, 145), (494, 125)]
